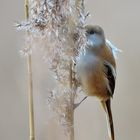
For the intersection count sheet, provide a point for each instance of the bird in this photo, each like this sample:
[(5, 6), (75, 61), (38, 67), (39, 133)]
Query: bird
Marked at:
[(96, 70)]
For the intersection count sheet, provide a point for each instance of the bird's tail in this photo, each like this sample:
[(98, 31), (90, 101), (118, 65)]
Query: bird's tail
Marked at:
[(107, 107)]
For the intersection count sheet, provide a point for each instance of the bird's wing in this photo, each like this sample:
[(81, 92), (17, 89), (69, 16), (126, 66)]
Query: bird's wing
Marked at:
[(110, 74), (114, 49)]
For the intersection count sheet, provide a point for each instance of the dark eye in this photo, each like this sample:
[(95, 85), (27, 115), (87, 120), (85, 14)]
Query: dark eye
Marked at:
[(91, 32)]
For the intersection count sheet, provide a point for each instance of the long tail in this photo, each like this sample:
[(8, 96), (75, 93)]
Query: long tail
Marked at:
[(107, 107)]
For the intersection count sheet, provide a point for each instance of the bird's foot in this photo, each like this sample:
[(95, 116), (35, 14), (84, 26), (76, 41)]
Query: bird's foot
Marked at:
[(77, 104)]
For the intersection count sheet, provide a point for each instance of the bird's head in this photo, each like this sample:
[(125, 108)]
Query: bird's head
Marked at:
[(95, 35)]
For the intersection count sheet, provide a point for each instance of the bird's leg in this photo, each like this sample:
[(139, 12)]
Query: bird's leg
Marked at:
[(77, 104)]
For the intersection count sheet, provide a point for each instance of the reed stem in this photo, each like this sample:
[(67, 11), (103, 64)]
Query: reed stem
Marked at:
[(30, 84), (71, 134)]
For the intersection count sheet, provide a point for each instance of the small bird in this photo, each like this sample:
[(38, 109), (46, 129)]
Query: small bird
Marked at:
[(96, 70)]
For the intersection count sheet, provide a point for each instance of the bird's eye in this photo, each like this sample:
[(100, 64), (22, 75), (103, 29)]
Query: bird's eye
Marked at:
[(91, 32)]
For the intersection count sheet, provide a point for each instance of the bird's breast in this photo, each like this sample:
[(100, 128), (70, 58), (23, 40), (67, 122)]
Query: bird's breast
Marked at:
[(90, 73)]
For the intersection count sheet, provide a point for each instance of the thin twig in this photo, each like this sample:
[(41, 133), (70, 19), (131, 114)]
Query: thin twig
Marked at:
[(30, 83)]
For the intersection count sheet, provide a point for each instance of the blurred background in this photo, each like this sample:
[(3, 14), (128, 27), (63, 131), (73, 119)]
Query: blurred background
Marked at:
[(120, 20)]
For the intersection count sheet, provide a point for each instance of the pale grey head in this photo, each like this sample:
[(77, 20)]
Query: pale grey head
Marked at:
[(95, 35)]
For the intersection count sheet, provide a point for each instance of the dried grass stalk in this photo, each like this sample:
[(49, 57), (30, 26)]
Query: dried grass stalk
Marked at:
[(30, 84)]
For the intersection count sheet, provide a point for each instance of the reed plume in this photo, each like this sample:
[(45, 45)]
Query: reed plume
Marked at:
[(57, 28)]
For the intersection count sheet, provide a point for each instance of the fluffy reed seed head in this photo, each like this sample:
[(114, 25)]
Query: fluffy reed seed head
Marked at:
[(57, 28)]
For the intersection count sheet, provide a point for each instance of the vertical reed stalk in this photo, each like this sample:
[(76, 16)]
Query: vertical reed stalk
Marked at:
[(72, 102), (30, 84), (73, 93)]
